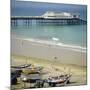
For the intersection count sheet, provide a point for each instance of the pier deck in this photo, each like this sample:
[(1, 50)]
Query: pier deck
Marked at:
[(41, 19)]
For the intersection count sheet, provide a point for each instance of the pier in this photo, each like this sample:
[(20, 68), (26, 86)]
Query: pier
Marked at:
[(29, 20), (49, 17), (62, 18)]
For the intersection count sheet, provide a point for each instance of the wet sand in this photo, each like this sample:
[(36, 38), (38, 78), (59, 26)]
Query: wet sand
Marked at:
[(60, 53)]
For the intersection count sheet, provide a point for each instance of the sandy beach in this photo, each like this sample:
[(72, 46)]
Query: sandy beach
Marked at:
[(52, 68), (60, 53), (55, 60), (48, 45)]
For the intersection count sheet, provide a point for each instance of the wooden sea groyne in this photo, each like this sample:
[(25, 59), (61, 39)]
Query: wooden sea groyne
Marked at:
[(29, 20)]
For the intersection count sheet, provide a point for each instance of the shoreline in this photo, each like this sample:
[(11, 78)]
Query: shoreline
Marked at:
[(53, 43), (58, 44), (48, 51)]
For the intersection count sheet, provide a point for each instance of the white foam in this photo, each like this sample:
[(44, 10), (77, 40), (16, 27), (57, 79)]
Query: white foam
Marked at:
[(55, 39), (53, 43), (75, 48)]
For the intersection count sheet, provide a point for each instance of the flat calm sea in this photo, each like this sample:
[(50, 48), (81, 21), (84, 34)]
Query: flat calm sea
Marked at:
[(74, 35)]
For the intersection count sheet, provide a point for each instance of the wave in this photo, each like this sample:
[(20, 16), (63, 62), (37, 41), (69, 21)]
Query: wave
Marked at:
[(55, 39), (67, 45), (73, 47), (57, 44), (54, 42)]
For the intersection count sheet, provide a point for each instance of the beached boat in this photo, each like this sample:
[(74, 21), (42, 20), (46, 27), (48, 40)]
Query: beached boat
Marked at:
[(14, 75), (21, 66), (61, 80), (33, 79), (31, 70)]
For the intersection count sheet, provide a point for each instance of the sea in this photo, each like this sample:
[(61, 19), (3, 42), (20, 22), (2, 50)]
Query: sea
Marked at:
[(70, 35)]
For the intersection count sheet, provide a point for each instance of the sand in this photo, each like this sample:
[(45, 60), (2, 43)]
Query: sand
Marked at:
[(55, 59), (52, 68), (61, 53)]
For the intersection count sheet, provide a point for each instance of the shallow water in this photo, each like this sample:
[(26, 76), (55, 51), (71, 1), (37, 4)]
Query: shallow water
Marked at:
[(66, 34)]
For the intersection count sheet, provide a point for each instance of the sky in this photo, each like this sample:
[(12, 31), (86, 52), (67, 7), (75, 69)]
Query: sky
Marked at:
[(28, 8)]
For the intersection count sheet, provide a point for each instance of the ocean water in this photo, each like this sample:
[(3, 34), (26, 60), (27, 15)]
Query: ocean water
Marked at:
[(22, 8), (71, 35), (74, 35)]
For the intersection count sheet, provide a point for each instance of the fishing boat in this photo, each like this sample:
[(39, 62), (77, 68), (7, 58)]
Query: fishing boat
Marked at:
[(61, 80)]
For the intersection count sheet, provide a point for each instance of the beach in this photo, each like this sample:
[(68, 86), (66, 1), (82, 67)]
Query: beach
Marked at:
[(52, 68), (60, 53), (48, 45), (55, 59)]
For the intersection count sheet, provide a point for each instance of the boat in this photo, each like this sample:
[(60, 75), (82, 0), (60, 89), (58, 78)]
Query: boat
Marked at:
[(61, 80), (21, 66)]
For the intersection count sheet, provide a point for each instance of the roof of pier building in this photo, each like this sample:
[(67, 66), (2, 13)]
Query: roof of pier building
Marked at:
[(51, 14)]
